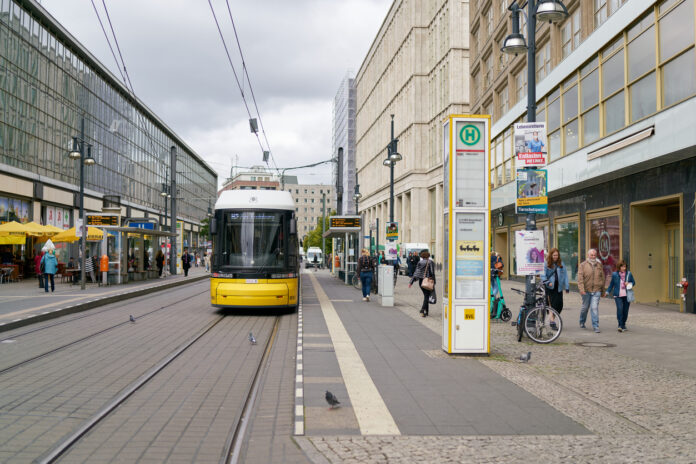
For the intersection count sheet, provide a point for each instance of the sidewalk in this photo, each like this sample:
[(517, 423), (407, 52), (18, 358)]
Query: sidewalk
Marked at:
[(23, 303), (624, 398)]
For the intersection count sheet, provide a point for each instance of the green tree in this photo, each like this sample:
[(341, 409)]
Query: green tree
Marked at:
[(205, 229), (314, 237)]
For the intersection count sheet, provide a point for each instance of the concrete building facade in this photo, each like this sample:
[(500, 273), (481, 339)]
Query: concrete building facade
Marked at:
[(308, 204), (344, 139), (417, 69), (615, 87)]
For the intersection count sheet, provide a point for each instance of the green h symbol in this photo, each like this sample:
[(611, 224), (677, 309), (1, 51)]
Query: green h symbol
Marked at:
[(470, 135)]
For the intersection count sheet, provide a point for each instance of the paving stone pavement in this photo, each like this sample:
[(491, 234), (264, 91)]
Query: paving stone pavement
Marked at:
[(636, 396)]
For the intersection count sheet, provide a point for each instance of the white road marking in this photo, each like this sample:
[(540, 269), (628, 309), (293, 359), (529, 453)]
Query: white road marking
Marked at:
[(369, 407)]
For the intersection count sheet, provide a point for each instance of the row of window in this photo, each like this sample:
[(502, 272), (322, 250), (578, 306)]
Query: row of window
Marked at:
[(44, 90), (647, 68)]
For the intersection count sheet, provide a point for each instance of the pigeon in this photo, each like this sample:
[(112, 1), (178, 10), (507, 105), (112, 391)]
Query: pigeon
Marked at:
[(252, 339), (132, 319), (331, 399), (525, 357)]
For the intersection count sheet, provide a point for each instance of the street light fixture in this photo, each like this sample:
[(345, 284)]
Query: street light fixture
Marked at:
[(78, 153), (357, 195), (393, 157), (545, 10)]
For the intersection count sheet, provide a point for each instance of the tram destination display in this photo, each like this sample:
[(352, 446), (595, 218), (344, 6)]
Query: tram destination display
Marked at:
[(344, 222), (100, 221)]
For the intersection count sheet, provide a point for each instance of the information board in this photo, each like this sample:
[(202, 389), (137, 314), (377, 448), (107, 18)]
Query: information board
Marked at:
[(470, 255), (471, 167), (100, 220), (344, 222)]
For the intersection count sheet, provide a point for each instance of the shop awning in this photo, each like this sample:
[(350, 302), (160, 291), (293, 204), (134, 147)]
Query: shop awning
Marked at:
[(93, 235)]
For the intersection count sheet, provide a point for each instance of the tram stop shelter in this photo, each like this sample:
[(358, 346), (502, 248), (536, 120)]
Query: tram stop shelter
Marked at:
[(131, 252), (345, 232)]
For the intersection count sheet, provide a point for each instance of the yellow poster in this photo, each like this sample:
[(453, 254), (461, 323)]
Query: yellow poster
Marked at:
[(468, 249)]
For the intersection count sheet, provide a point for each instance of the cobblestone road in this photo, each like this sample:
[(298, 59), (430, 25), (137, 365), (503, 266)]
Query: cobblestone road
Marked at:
[(635, 397)]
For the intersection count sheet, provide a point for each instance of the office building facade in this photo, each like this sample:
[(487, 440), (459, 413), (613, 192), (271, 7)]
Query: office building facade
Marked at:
[(416, 69), (50, 87), (615, 88), (344, 138)]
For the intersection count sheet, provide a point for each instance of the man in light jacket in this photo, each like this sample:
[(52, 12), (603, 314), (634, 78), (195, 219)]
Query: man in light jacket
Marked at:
[(591, 286)]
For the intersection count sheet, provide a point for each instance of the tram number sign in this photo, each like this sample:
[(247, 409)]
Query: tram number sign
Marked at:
[(344, 222), (94, 220)]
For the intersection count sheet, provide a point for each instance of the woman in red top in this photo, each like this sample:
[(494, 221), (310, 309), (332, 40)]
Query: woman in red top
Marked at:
[(37, 267)]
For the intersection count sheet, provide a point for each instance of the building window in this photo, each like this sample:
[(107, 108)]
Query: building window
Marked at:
[(521, 84), (488, 70), (676, 58), (503, 104), (543, 61), (605, 8), (613, 82), (503, 8), (489, 20), (571, 135), (570, 33)]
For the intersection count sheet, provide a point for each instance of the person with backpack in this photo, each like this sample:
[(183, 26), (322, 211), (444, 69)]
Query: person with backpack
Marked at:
[(186, 262), (365, 269)]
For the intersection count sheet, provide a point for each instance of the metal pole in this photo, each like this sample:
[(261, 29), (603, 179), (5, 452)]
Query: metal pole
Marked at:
[(392, 149), (172, 227), (530, 222), (323, 224), (83, 239)]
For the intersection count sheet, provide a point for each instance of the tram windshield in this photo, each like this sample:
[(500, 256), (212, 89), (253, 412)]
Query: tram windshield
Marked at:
[(253, 239)]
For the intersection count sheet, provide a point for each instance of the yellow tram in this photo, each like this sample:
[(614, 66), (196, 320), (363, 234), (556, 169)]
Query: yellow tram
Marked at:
[(255, 261)]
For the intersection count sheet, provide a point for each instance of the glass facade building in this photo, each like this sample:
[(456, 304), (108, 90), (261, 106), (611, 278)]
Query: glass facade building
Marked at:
[(48, 84)]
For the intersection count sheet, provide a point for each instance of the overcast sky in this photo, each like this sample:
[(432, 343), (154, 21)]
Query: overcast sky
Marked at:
[(296, 53)]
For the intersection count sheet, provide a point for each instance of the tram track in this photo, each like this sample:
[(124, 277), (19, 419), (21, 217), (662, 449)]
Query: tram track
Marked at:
[(81, 339), (231, 452)]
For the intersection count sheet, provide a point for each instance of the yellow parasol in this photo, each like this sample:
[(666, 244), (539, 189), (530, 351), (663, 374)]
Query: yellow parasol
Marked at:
[(13, 233), (93, 235)]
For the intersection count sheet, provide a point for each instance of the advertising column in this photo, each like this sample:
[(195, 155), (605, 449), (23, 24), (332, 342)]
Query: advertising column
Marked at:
[(466, 320)]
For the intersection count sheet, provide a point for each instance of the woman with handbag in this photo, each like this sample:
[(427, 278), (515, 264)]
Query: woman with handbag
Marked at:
[(425, 274), (621, 288)]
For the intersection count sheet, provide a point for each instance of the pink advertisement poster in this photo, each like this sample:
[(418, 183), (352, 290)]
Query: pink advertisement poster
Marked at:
[(66, 219), (605, 237), (50, 215)]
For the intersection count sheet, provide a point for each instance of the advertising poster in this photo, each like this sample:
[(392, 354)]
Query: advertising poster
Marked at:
[(59, 217), (470, 255), (392, 231), (532, 191), (4, 205), (605, 237), (530, 144), (25, 211), (471, 170), (179, 245), (51, 215), (66, 219), (529, 249), (390, 252)]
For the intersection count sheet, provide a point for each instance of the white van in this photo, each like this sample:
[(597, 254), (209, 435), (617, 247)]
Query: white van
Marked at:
[(406, 249), (311, 253)]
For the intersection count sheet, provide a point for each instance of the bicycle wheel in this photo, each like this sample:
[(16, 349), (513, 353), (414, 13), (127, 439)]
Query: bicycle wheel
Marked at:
[(506, 314), (520, 328), (543, 324), (357, 283)]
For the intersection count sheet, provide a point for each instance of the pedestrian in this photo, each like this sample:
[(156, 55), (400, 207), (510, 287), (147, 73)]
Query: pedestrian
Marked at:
[(381, 259), (621, 288), (556, 281), (186, 261), (159, 259), (496, 268), (206, 260), (37, 267), (424, 270), (146, 260), (365, 270), (591, 286), (89, 269), (49, 263)]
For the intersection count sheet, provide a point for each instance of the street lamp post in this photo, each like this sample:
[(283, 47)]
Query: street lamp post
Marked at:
[(78, 152), (393, 157), (356, 198), (545, 10)]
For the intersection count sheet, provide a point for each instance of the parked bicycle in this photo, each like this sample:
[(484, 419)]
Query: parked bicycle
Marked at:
[(540, 322)]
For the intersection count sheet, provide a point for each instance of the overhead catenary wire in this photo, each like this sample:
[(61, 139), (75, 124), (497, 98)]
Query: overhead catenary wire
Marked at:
[(251, 88), (236, 76)]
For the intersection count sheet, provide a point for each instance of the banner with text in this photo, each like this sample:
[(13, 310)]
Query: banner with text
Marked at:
[(530, 144)]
